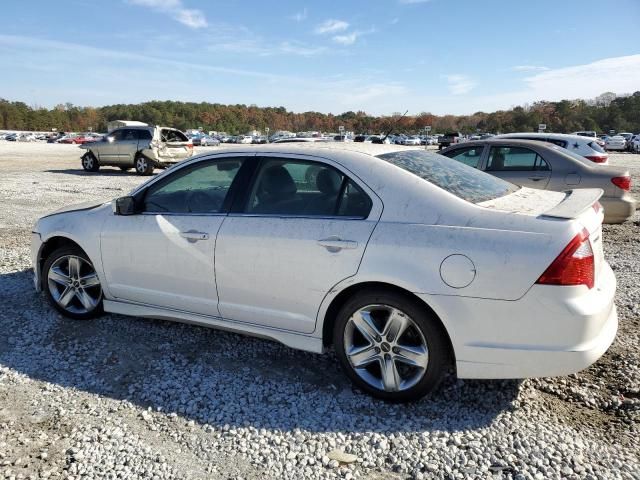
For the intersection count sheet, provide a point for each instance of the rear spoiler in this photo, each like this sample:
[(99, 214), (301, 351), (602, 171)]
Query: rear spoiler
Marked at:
[(575, 203)]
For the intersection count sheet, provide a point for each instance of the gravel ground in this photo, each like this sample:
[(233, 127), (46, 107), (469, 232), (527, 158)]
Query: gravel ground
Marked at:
[(125, 397)]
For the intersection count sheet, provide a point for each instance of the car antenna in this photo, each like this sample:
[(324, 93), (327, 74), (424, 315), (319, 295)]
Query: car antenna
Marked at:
[(393, 127)]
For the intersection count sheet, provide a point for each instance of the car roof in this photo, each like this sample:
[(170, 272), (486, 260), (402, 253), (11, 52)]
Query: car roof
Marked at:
[(320, 149), (563, 136), (501, 141)]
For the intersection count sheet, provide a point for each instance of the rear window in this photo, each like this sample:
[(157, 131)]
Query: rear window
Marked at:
[(457, 178), (596, 147), (173, 136)]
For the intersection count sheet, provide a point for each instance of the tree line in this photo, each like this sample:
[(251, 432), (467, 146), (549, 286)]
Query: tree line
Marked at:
[(602, 114)]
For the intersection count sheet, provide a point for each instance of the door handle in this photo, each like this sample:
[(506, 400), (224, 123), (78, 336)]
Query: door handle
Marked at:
[(194, 236), (334, 244)]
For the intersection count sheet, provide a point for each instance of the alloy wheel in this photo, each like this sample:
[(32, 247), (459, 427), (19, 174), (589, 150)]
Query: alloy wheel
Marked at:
[(386, 348), (74, 284)]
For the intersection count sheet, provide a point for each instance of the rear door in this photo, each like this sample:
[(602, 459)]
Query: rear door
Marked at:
[(301, 228), (518, 165), (128, 146)]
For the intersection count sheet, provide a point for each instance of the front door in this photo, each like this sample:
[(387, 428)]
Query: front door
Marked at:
[(302, 229), (108, 148), (164, 255)]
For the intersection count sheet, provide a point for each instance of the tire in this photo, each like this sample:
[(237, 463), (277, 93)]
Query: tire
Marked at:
[(90, 162), (423, 334), (72, 284), (143, 165)]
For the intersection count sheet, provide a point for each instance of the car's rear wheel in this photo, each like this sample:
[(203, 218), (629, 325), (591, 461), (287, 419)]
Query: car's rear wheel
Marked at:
[(72, 284), (143, 165), (90, 162), (390, 346)]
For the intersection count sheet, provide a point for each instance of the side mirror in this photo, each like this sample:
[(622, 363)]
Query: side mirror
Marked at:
[(123, 206)]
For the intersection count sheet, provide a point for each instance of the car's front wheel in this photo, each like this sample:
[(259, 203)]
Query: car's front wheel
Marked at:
[(72, 284), (90, 162), (391, 346), (143, 165)]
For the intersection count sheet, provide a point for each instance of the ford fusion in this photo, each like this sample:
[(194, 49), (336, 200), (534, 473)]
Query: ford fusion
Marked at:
[(405, 262)]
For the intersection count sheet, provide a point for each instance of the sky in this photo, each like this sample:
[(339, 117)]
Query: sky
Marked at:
[(379, 56)]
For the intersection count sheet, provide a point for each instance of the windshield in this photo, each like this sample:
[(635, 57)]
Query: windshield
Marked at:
[(457, 178)]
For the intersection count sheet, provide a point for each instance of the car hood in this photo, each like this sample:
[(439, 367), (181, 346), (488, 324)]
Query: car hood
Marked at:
[(78, 207)]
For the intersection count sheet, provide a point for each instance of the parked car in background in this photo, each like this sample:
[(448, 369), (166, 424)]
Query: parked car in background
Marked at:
[(398, 279), (26, 137), (142, 148), (244, 139), (616, 142), (635, 144), (584, 146), (448, 139), (209, 141), (535, 164), (627, 137)]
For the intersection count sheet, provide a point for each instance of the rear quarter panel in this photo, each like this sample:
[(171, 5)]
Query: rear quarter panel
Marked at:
[(507, 262)]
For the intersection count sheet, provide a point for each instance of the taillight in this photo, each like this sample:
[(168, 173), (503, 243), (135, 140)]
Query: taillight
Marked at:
[(622, 182), (574, 266), (190, 146), (597, 158)]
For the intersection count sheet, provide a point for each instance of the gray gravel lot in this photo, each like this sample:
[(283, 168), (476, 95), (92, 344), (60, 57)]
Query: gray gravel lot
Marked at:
[(125, 397)]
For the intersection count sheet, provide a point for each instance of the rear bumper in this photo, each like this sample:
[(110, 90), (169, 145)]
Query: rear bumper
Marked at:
[(618, 210), (550, 331)]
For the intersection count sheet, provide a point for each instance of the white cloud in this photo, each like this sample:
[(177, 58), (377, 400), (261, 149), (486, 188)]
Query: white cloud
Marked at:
[(616, 74), (459, 84), (347, 39), (332, 26), (299, 16), (529, 68), (189, 17)]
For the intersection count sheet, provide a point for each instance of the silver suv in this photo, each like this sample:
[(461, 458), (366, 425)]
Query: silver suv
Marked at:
[(142, 148)]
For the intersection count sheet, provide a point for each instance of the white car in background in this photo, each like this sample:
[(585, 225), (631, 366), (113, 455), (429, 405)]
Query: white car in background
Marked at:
[(617, 142), (586, 147), (246, 139), (405, 261)]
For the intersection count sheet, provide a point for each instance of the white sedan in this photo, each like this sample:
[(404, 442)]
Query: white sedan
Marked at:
[(406, 262), (617, 142)]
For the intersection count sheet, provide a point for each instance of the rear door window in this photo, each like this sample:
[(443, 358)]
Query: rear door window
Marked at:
[(467, 155), (515, 159), (303, 188), (144, 134)]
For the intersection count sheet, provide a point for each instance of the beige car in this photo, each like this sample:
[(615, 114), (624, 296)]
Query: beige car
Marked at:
[(143, 148), (545, 166)]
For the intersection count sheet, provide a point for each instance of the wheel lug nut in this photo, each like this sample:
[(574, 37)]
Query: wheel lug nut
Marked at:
[(377, 349), (378, 338), (395, 350)]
